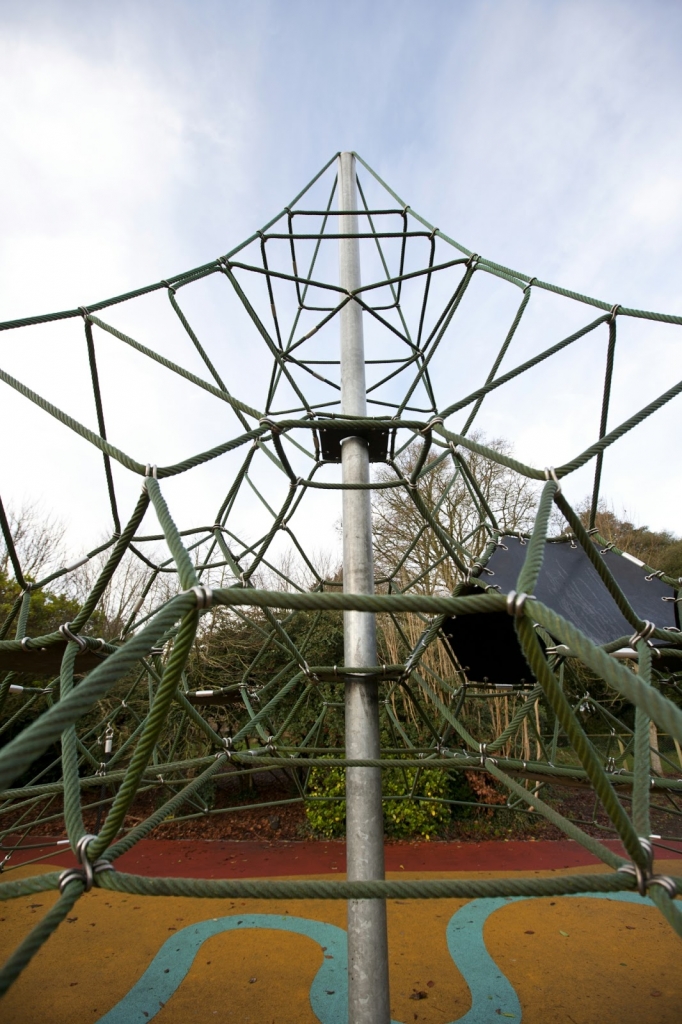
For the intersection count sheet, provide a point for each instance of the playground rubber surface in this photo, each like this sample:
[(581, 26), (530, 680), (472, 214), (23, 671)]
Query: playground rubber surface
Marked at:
[(121, 959)]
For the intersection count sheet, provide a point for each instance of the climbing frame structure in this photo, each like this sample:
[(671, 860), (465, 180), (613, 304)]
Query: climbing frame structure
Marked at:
[(93, 718)]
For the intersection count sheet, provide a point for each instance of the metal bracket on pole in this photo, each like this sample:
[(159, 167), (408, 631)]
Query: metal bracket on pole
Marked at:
[(368, 993)]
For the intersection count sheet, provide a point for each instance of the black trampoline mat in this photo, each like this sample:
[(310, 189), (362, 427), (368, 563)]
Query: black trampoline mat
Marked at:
[(570, 585), (486, 645)]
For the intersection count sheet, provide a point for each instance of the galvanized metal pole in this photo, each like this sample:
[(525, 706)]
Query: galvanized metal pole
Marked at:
[(368, 994)]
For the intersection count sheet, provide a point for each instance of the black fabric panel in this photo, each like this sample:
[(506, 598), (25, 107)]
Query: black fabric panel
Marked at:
[(486, 645), (487, 648), (570, 585)]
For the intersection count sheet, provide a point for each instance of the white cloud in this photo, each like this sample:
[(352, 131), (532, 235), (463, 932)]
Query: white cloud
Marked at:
[(543, 135), (93, 152)]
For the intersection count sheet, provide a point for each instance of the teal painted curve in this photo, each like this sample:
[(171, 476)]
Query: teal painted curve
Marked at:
[(170, 966), (491, 991)]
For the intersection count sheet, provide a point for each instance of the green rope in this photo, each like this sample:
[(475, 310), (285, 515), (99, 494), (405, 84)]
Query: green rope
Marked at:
[(143, 683)]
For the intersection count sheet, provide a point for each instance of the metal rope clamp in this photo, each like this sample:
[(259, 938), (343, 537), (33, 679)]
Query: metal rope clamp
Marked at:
[(273, 427), (204, 596), (483, 750), (65, 630), (431, 424), (150, 470), (645, 877), (87, 871), (550, 474), (516, 603), (643, 634)]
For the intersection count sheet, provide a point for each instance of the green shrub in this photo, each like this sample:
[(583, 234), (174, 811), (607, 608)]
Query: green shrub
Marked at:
[(402, 818)]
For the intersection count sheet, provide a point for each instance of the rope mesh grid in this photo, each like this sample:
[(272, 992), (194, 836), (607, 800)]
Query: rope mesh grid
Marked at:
[(283, 713)]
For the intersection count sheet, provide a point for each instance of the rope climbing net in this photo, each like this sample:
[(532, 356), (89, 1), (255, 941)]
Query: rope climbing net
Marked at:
[(161, 707)]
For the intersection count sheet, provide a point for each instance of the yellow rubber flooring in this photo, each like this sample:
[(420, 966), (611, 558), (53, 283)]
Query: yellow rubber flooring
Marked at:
[(573, 960)]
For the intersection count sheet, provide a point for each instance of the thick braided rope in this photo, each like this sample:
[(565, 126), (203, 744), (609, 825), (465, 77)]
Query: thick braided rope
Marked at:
[(142, 885), (176, 622)]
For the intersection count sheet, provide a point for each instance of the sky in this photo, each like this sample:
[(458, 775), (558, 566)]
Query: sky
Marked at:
[(141, 139)]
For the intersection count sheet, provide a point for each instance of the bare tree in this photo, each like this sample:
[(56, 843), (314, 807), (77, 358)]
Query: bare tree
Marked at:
[(459, 490), (131, 580), (38, 538)]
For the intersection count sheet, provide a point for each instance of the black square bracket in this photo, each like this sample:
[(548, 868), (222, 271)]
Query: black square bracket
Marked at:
[(330, 443)]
